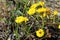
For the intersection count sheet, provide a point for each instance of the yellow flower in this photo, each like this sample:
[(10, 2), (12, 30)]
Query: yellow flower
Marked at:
[(37, 4), (41, 3), (25, 19), (40, 33), (20, 19), (34, 5), (55, 12), (59, 26), (31, 11), (41, 10)]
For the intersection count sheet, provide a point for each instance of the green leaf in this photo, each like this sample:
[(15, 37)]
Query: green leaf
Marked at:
[(58, 19), (18, 12)]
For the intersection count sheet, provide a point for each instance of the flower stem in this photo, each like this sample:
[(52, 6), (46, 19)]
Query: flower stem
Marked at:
[(42, 22), (16, 32), (54, 19)]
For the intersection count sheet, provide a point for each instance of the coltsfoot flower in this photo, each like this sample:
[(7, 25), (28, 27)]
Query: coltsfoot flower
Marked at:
[(59, 27), (40, 33), (20, 19), (55, 13), (37, 4), (41, 10), (31, 11), (34, 5), (41, 3)]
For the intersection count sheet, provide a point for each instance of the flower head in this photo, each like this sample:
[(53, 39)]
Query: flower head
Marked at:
[(41, 3), (59, 27), (34, 5), (25, 19), (40, 33), (41, 10), (20, 19), (31, 11), (55, 13)]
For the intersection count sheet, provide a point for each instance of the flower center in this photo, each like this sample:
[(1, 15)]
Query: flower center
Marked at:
[(40, 32)]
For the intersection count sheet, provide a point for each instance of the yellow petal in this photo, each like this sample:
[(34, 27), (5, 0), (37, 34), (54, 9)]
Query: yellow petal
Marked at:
[(55, 12), (59, 27), (41, 3), (41, 10), (31, 11), (40, 33)]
